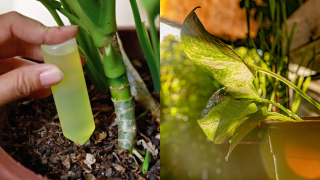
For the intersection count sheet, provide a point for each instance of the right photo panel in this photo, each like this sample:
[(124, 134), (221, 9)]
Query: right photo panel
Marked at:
[(240, 89)]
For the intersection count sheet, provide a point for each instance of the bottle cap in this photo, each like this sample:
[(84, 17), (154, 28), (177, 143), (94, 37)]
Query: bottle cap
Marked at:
[(61, 49)]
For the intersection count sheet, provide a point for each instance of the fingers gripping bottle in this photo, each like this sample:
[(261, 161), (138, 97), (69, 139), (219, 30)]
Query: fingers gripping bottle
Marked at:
[(70, 95)]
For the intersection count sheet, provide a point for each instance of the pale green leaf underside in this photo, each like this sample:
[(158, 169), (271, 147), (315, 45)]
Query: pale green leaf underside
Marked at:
[(220, 122), (212, 54), (244, 127), (225, 93), (248, 92), (217, 98)]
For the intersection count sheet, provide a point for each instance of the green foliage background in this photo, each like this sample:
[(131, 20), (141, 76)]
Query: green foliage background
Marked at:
[(185, 89)]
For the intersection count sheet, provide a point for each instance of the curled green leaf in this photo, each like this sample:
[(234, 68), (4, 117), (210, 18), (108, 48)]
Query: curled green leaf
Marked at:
[(225, 93), (244, 127), (212, 54), (220, 122)]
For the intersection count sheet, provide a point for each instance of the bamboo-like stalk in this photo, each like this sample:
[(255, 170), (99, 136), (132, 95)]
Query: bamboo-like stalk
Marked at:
[(120, 92), (139, 90)]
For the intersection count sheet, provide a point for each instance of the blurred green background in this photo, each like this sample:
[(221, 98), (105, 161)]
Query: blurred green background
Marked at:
[(186, 152)]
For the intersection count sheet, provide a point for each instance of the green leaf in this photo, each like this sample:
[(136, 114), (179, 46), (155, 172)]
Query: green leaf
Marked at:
[(228, 93), (215, 100), (152, 7), (248, 92), (244, 127), (212, 54), (55, 4), (220, 122)]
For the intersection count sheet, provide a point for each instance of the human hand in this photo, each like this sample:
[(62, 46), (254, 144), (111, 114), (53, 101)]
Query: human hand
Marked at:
[(22, 36)]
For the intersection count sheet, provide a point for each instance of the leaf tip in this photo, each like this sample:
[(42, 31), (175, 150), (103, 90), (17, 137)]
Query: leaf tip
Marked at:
[(195, 8)]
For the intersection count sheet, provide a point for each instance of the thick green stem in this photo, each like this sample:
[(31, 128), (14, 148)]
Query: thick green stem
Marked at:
[(282, 108), (112, 61), (107, 22), (92, 9), (304, 95), (120, 92), (124, 109), (145, 45), (138, 88), (53, 12), (155, 39), (97, 36)]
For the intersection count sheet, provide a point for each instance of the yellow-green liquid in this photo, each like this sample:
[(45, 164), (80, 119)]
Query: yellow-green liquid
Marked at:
[(71, 97)]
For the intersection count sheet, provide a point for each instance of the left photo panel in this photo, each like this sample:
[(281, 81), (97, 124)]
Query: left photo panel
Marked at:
[(79, 89)]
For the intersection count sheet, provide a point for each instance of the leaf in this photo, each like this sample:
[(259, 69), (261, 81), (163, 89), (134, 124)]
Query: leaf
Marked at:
[(217, 98), (99, 136), (220, 122), (212, 54), (66, 162), (89, 160), (244, 127), (227, 93), (119, 167), (148, 146), (248, 92)]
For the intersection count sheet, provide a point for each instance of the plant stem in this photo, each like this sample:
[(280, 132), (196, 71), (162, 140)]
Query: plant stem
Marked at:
[(92, 9), (282, 108), (120, 92), (97, 36), (138, 88), (53, 13), (107, 21), (273, 115), (72, 18), (124, 109), (145, 45), (286, 82), (155, 39)]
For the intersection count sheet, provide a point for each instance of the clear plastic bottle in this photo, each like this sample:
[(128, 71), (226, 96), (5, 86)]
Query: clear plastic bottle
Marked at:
[(70, 95)]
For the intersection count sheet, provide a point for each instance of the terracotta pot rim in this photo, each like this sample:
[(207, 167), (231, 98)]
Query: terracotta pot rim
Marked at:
[(308, 121)]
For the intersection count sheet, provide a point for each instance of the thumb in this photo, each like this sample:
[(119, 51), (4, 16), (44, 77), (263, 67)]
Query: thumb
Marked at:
[(23, 81)]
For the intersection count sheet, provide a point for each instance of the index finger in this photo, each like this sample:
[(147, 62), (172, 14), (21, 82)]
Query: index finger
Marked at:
[(14, 24)]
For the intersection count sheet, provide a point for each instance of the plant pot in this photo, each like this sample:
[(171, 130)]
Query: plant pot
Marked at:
[(295, 147), (250, 160)]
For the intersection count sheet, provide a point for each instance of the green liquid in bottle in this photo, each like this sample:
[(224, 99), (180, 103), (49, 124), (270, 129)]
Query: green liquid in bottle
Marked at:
[(71, 95)]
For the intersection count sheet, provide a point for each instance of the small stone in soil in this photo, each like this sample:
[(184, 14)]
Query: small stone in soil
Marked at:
[(130, 160), (109, 172), (155, 141), (153, 177), (132, 176)]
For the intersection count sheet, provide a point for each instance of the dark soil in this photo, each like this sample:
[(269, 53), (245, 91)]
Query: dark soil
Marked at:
[(33, 137)]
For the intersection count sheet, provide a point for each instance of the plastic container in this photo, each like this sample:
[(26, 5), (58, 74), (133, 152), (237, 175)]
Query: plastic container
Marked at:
[(70, 95)]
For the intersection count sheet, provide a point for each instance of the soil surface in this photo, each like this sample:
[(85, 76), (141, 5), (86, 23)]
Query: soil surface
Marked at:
[(33, 137)]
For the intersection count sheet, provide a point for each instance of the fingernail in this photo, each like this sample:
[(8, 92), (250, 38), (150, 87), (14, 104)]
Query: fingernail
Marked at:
[(51, 77)]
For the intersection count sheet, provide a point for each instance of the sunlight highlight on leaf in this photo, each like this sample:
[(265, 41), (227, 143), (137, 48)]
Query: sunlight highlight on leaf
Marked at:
[(210, 53)]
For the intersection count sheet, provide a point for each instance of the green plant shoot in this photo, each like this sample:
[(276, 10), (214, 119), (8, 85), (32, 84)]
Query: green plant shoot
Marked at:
[(145, 166)]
